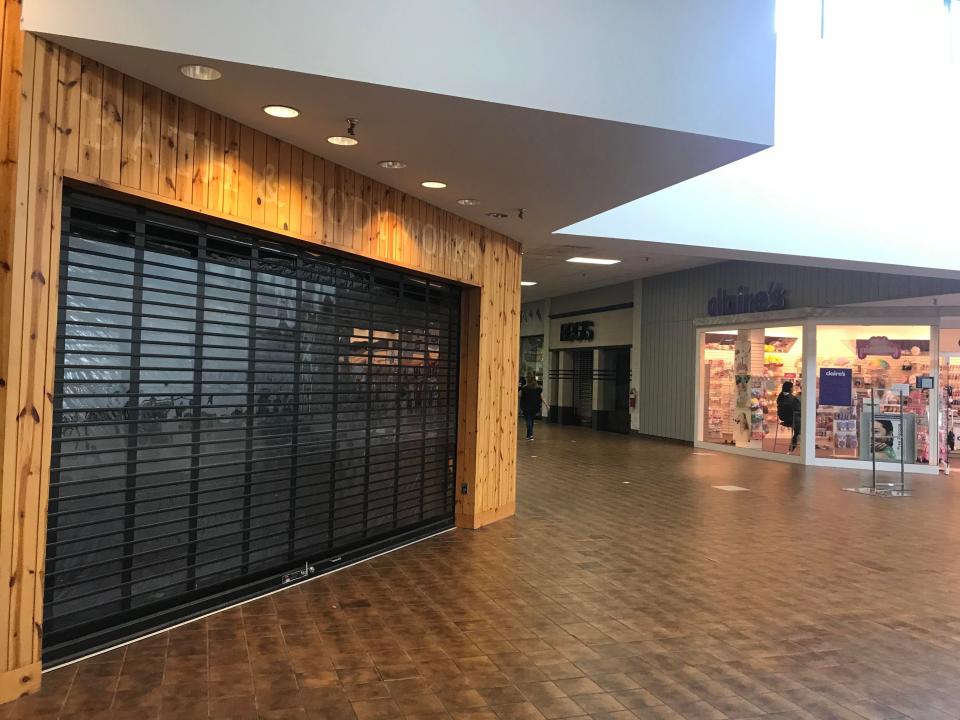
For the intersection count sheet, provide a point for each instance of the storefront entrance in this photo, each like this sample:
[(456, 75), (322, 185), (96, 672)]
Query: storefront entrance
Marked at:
[(829, 390), (231, 414), (613, 405)]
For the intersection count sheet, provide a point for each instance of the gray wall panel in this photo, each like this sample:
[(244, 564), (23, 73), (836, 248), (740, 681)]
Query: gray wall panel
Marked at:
[(673, 301)]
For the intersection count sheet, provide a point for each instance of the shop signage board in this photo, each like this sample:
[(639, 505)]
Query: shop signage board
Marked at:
[(583, 330), (836, 386), (884, 346), (773, 297)]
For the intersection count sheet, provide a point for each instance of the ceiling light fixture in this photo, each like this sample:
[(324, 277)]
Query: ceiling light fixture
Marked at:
[(350, 138), (281, 111), (527, 283), (392, 164), (434, 184), (469, 202), (200, 72), (592, 261), (497, 215)]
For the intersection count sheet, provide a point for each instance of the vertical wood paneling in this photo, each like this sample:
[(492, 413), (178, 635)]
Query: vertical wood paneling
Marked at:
[(296, 191), (201, 158), (283, 185), (271, 171), (150, 144), (258, 212), (34, 391), (64, 114), (91, 107), (186, 138), (68, 115), (245, 176), (306, 196), (231, 167), (169, 117), (16, 62), (216, 157), (111, 125), (131, 154), (319, 199)]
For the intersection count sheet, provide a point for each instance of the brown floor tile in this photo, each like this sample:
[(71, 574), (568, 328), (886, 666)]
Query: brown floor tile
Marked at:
[(376, 710), (508, 695), (421, 705), (664, 598), (556, 708)]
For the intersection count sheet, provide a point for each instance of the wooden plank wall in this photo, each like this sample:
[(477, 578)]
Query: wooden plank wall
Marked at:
[(83, 122)]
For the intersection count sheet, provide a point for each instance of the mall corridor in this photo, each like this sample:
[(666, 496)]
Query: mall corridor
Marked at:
[(628, 585)]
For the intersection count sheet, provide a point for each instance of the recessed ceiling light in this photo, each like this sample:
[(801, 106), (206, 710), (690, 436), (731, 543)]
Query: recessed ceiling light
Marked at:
[(497, 215), (281, 111), (592, 261), (350, 138), (200, 72), (434, 184), (527, 283), (469, 202), (392, 164)]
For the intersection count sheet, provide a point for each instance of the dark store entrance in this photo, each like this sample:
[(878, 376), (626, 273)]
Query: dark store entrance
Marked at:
[(232, 413)]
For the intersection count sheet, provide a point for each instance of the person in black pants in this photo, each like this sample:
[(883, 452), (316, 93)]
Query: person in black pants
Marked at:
[(531, 397), (788, 412)]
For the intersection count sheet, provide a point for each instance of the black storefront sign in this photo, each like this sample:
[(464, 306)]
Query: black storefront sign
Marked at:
[(577, 331)]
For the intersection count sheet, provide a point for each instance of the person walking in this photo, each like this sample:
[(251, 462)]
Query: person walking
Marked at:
[(531, 398)]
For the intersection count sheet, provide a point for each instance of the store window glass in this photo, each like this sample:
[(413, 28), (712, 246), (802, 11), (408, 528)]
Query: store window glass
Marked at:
[(744, 371), (862, 373), (531, 357), (949, 390)]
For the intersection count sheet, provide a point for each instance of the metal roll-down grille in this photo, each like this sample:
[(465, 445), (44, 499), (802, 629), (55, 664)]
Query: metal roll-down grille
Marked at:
[(229, 408)]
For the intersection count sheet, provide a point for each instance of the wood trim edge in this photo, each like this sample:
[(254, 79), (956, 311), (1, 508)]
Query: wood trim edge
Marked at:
[(486, 517), (19, 682)]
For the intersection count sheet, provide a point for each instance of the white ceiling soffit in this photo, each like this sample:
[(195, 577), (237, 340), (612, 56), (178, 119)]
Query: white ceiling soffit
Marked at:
[(864, 171), (566, 109), (697, 66)]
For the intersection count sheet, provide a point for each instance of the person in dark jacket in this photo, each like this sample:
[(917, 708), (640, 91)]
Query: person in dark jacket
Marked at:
[(531, 398), (788, 412)]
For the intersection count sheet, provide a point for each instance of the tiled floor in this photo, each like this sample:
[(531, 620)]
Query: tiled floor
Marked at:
[(627, 586)]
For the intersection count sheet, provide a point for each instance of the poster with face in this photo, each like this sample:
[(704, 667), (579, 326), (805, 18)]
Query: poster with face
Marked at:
[(886, 438)]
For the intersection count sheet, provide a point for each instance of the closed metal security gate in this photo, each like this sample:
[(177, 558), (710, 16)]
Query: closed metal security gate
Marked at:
[(229, 409), (583, 386)]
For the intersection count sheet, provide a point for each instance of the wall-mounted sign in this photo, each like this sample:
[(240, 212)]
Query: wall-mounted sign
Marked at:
[(836, 386), (774, 297), (574, 331), (882, 345)]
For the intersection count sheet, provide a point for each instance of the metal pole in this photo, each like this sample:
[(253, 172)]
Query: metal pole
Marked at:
[(873, 439), (902, 437)]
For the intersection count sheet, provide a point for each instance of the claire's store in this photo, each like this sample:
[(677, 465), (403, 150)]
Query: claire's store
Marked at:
[(872, 382)]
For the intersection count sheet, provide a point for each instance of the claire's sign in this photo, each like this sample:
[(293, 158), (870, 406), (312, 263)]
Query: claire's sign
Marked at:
[(774, 297), (836, 386)]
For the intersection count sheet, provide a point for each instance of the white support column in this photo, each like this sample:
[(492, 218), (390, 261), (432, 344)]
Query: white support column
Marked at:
[(808, 404), (547, 356)]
